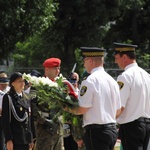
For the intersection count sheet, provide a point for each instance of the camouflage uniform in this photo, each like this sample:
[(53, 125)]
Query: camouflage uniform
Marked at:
[(48, 126), (78, 132), (48, 130)]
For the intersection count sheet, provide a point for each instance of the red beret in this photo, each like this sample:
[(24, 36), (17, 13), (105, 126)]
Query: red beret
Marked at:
[(52, 62)]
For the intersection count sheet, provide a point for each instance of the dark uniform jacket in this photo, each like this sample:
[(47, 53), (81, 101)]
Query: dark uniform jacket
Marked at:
[(18, 129)]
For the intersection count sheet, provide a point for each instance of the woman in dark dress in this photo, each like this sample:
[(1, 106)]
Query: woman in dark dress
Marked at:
[(16, 116)]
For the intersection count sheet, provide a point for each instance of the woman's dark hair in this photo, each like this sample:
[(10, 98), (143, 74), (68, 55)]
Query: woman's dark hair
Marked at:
[(13, 77), (12, 90)]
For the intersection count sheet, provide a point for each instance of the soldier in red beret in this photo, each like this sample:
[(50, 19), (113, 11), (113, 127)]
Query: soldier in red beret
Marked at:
[(49, 134), (52, 68)]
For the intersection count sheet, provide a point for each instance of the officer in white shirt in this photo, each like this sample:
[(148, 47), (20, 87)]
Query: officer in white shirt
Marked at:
[(134, 85), (99, 102)]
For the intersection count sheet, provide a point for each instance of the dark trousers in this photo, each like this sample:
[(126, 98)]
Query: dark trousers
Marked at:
[(1, 136), (70, 144), (100, 138), (135, 135), (21, 147)]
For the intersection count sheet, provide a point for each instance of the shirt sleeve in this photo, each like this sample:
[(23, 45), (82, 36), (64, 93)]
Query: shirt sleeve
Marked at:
[(124, 89), (1, 98), (86, 94)]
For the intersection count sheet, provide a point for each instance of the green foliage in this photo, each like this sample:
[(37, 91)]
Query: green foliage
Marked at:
[(30, 50), (34, 52), (143, 59), (78, 23), (131, 23), (74, 24), (21, 19), (55, 95)]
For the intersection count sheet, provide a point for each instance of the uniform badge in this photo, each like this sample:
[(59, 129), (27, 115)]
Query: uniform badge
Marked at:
[(121, 84), (83, 90), (21, 108)]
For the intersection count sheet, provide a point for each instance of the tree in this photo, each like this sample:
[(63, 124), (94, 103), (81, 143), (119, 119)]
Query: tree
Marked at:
[(21, 19), (79, 23), (131, 25), (92, 23)]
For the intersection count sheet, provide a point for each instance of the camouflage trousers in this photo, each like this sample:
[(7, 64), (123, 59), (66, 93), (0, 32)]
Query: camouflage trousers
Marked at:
[(48, 140)]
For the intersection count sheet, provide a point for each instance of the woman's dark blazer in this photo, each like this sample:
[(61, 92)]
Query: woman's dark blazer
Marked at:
[(17, 131)]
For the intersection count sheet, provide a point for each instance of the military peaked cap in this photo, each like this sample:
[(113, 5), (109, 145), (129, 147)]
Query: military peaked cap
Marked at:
[(4, 80), (123, 48), (92, 51)]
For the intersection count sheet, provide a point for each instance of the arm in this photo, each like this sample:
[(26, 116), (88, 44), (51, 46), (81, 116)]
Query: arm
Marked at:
[(6, 121), (9, 145), (77, 111), (119, 112), (1, 99)]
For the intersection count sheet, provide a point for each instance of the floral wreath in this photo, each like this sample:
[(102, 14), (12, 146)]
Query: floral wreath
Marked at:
[(59, 94)]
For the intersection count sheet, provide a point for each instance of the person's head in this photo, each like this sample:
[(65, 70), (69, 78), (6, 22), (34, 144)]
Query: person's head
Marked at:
[(4, 81), (124, 54), (35, 73), (16, 82), (74, 79), (93, 57), (74, 76), (52, 67)]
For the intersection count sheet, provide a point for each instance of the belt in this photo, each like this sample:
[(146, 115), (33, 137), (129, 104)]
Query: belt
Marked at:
[(143, 119), (45, 115), (66, 130), (97, 126)]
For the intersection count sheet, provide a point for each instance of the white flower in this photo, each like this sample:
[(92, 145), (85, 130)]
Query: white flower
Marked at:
[(39, 81), (47, 81), (60, 76), (27, 76)]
